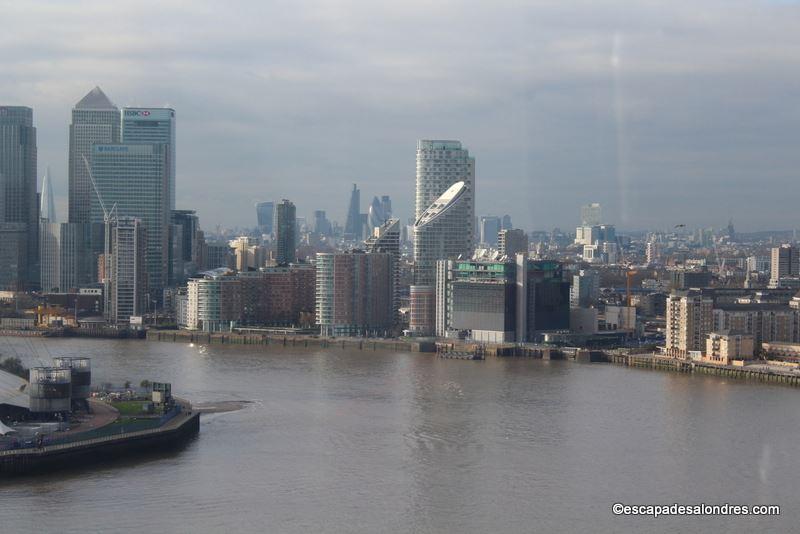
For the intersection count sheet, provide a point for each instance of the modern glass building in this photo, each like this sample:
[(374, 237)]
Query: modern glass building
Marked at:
[(265, 212), (152, 126), (285, 233), (476, 298), (18, 206), (133, 180), (95, 119), (61, 246), (353, 226)]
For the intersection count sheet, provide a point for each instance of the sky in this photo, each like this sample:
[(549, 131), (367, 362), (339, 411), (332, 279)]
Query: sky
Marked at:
[(665, 112)]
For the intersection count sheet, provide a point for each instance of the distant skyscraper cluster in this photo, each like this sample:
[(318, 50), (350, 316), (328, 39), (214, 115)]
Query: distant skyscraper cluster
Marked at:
[(121, 183)]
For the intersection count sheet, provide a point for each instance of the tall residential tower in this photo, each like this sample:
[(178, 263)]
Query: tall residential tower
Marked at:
[(445, 220)]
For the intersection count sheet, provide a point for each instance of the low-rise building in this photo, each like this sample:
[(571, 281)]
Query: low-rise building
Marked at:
[(724, 347)]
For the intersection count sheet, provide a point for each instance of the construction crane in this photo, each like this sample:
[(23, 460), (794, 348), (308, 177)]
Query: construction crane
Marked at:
[(108, 219), (628, 279)]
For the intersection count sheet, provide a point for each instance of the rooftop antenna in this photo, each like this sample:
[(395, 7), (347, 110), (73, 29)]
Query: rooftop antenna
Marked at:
[(108, 218)]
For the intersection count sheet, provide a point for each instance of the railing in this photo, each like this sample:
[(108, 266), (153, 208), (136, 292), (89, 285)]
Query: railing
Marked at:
[(107, 432)]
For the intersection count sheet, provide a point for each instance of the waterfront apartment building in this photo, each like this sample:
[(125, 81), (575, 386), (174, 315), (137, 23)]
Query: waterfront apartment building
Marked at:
[(126, 271), (443, 231), (354, 294), (511, 242), (285, 233), (784, 263), (95, 120), (279, 296), (19, 213), (766, 322), (386, 238), (491, 300), (476, 299), (689, 320), (151, 126), (134, 180), (213, 301), (724, 347)]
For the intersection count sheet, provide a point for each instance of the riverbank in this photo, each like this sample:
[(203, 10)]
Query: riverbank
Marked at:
[(227, 338)]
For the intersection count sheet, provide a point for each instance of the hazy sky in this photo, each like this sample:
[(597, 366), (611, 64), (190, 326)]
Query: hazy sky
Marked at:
[(664, 112)]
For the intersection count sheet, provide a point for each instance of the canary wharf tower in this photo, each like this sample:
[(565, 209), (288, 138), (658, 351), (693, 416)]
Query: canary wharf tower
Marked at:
[(95, 120)]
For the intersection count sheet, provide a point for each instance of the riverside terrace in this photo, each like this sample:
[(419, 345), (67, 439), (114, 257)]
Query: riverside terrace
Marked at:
[(54, 417)]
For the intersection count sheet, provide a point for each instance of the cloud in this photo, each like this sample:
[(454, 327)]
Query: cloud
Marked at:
[(298, 100)]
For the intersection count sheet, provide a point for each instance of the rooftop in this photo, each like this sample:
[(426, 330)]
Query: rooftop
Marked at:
[(96, 99)]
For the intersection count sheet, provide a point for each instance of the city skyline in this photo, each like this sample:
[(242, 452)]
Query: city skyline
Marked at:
[(634, 107)]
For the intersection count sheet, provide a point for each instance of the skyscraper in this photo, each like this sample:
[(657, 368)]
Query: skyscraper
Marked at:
[(785, 262), (95, 119), (386, 238), (490, 227), (135, 179), (386, 205), (445, 220), (126, 287), (591, 214), (285, 233), (439, 233), (375, 216), (18, 207), (352, 228), (265, 213), (152, 126), (184, 245), (322, 225), (47, 206), (440, 164)]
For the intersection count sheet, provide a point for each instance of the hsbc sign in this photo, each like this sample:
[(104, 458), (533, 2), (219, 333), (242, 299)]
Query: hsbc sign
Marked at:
[(148, 114)]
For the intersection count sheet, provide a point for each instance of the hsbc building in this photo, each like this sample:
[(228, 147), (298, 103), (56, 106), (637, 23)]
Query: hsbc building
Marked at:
[(152, 125)]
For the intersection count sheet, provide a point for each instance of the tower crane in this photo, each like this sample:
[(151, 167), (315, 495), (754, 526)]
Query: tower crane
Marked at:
[(108, 218)]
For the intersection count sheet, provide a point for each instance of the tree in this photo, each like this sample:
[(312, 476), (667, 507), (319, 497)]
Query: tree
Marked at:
[(15, 367)]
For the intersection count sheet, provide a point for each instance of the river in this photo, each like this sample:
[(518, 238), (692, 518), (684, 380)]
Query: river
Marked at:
[(376, 441)]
